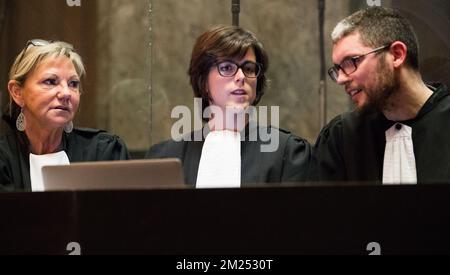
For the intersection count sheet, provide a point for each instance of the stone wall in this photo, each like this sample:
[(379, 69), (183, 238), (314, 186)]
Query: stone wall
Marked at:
[(123, 71), (137, 54)]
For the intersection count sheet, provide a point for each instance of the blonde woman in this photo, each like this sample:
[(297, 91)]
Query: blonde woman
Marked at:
[(44, 87)]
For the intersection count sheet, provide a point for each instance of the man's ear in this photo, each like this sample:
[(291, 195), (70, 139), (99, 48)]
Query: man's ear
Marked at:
[(399, 51), (15, 91)]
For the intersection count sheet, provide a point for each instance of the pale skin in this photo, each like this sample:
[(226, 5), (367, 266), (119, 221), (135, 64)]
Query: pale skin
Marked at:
[(412, 93), (237, 92), (49, 99)]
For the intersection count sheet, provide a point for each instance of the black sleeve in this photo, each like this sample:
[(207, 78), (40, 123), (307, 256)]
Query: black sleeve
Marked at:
[(297, 159), (10, 170), (166, 149), (187, 152), (6, 181), (111, 147), (328, 161), (157, 151)]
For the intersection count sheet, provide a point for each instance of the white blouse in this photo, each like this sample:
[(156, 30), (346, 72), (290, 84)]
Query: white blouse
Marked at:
[(36, 164), (220, 161)]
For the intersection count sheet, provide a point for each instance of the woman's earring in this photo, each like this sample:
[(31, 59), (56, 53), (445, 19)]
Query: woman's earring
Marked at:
[(68, 127), (21, 124)]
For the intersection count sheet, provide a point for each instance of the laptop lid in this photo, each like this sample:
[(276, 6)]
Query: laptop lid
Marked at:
[(109, 175)]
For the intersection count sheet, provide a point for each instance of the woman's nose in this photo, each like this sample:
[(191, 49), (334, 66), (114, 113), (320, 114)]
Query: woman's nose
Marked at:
[(64, 91), (240, 76)]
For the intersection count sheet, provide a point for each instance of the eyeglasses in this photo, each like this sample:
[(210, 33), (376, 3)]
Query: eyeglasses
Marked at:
[(349, 65), (229, 68), (33, 42), (41, 42)]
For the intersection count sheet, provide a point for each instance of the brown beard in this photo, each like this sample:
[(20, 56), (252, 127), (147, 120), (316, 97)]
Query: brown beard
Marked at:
[(378, 96)]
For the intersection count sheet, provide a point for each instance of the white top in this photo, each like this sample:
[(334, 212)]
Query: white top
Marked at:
[(36, 164), (220, 162), (399, 161)]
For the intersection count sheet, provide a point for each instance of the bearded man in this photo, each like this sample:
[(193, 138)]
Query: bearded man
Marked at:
[(399, 132)]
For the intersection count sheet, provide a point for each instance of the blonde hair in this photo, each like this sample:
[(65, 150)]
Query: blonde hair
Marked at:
[(33, 55)]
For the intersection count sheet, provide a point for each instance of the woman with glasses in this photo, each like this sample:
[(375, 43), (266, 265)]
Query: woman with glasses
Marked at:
[(228, 73), (45, 87)]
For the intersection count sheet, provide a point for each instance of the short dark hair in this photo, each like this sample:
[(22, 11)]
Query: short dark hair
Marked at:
[(380, 26), (219, 43)]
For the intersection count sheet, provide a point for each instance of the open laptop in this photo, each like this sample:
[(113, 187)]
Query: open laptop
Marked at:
[(113, 175)]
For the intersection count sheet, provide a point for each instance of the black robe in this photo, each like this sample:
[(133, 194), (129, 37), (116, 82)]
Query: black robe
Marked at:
[(80, 145), (351, 147), (289, 163)]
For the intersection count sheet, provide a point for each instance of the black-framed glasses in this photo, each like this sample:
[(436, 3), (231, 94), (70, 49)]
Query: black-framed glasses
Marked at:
[(229, 68), (350, 65)]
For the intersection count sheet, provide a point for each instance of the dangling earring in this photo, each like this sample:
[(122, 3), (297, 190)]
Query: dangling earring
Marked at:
[(68, 127), (21, 124)]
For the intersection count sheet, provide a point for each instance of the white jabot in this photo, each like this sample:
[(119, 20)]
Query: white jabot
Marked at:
[(36, 164), (220, 162), (399, 162)]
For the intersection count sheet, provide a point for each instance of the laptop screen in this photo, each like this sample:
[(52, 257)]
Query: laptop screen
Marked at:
[(109, 175)]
